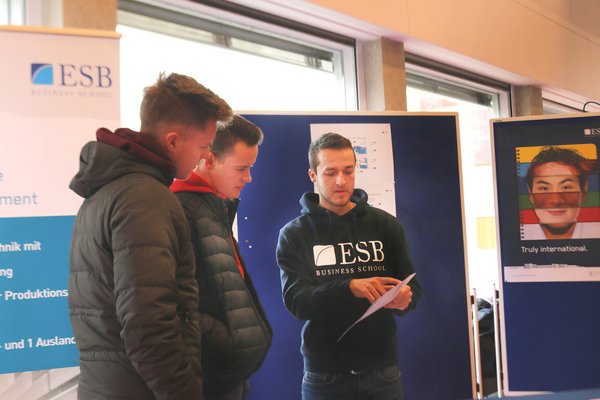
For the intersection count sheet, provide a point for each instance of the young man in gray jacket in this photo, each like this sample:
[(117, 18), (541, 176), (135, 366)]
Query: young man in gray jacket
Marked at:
[(132, 292)]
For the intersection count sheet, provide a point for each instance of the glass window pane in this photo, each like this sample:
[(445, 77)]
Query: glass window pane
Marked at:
[(551, 107), (249, 75), (12, 12), (475, 107)]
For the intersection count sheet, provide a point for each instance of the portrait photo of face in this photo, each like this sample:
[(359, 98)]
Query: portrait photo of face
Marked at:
[(557, 194), (558, 182)]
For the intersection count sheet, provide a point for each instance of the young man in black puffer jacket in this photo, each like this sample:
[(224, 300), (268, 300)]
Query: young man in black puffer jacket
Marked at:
[(235, 332)]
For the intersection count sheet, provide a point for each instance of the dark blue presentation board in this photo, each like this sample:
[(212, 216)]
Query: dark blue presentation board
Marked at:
[(434, 341), (550, 318)]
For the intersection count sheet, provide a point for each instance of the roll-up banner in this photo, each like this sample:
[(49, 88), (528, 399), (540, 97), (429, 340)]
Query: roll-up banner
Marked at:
[(547, 185), (58, 87)]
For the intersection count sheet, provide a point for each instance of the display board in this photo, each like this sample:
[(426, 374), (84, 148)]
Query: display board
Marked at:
[(434, 340), (58, 87), (547, 185)]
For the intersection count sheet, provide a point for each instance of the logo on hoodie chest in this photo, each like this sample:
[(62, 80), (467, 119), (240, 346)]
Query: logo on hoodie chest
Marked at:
[(352, 256)]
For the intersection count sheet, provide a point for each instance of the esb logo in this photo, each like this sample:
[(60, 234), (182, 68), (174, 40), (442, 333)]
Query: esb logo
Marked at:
[(349, 253), (591, 132), (69, 75)]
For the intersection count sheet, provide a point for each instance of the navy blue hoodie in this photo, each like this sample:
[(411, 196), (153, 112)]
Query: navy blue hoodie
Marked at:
[(319, 253)]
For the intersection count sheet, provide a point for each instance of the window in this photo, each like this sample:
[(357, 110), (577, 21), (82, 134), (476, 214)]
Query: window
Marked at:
[(12, 12), (556, 101), (477, 100), (253, 69), (552, 107)]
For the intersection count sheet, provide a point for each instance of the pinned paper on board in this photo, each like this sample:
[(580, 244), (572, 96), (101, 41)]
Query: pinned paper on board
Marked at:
[(381, 302)]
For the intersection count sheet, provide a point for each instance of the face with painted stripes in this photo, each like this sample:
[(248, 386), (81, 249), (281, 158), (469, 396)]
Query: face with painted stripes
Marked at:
[(557, 195)]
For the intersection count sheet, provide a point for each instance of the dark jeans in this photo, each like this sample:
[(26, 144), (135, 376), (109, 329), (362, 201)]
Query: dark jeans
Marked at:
[(383, 384), (229, 392)]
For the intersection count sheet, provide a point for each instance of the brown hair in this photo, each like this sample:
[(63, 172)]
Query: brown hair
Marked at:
[(565, 156), (327, 141), (238, 130), (179, 100)]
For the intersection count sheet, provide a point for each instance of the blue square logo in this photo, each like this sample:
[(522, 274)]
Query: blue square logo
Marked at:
[(42, 74)]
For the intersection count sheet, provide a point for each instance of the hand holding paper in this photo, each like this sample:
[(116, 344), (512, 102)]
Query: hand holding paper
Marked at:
[(373, 287), (381, 302), (403, 299)]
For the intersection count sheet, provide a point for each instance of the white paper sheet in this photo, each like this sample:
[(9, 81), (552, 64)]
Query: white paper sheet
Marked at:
[(381, 302)]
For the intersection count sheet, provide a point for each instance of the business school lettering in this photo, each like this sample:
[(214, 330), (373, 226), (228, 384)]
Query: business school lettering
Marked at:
[(349, 258)]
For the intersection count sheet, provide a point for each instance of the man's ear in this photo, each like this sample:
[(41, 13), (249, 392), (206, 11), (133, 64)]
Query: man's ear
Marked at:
[(585, 191), (530, 196), (209, 162), (170, 141), (312, 175)]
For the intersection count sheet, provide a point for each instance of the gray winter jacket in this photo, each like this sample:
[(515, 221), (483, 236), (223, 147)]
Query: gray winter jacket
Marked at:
[(132, 292), (235, 332)]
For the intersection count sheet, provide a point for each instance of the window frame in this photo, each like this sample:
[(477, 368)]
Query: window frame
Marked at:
[(231, 18)]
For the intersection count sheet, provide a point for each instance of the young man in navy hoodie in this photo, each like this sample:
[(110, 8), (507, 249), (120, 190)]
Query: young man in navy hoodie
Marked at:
[(133, 298), (235, 332), (336, 259)]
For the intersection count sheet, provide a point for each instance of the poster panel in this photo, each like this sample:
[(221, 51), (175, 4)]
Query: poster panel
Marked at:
[(415, 156), (58, 87), (547, 185)]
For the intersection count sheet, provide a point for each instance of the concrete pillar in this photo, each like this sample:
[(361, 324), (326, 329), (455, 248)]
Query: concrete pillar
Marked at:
[(385, 75), (90, 14), (527, 100)]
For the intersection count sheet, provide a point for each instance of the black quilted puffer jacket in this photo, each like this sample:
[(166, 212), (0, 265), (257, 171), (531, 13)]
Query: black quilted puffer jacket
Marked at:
[(236, 335)]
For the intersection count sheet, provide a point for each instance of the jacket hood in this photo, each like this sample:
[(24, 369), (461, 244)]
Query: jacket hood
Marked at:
[(310, 203), (137, 144), (116, 154), (195, 183)]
